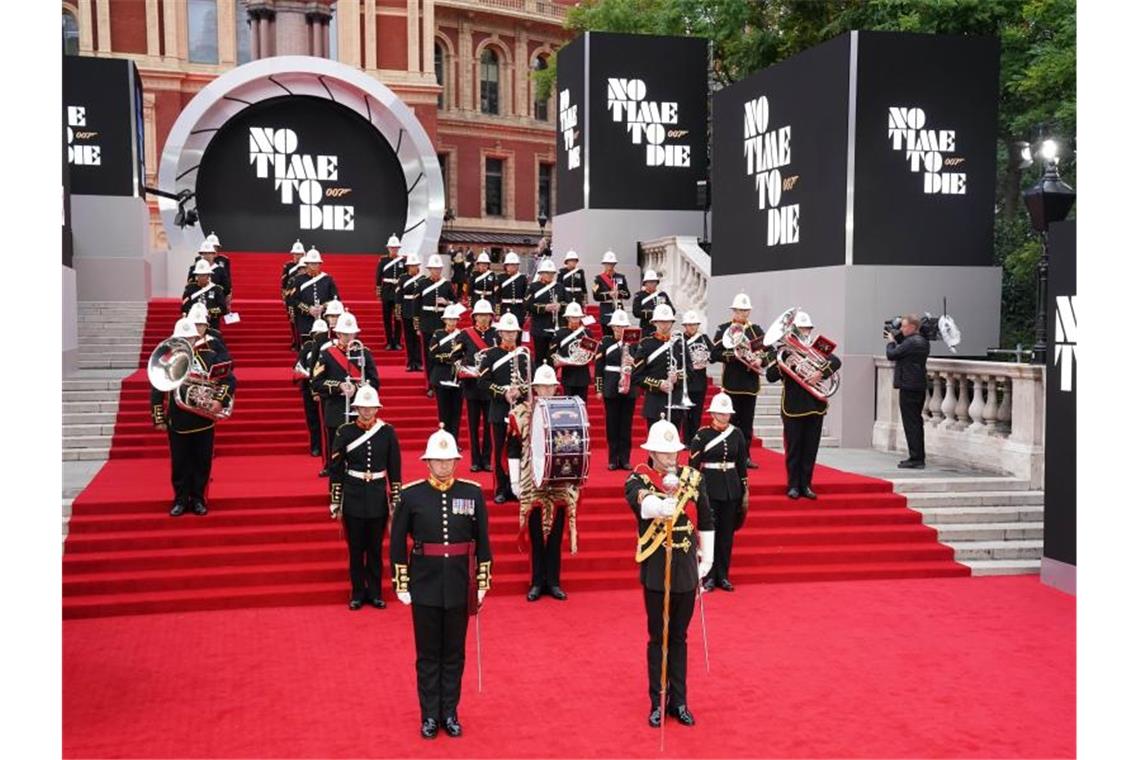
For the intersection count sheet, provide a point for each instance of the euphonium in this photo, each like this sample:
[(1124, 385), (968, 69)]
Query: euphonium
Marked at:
[(801, 360), (173, 366)]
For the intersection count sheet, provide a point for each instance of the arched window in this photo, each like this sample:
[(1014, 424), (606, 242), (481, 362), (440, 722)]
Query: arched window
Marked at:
[(70, 33), (489, 81), (241, 30), (439, 73), (202, 30), (541, 107)]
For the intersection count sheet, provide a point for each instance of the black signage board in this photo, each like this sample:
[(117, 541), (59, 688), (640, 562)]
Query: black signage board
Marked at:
[(1061, 396), (102, 118)]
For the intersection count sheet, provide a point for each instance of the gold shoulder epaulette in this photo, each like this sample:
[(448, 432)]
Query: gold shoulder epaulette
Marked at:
[(408, 485)]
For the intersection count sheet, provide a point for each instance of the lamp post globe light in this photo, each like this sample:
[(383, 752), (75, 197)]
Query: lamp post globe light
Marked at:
[(1048, 201)]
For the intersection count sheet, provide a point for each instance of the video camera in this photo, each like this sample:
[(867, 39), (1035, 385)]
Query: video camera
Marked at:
[(932, 328)]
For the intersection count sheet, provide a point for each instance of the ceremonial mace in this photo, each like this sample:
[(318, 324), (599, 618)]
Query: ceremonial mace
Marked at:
[(479, 646), (670, 483)]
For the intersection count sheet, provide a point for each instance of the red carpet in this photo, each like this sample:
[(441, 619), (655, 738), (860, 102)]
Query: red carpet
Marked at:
[(268, 541), (974, 667)]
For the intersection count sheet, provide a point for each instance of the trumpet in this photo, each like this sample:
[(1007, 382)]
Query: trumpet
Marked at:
[(801, 360), (678, 370)]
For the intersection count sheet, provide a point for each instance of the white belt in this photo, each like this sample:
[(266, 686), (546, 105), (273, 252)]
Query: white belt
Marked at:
[(368, 476), (612, 368), (512, 300), (391, 280), (433, 308), (718, 465)]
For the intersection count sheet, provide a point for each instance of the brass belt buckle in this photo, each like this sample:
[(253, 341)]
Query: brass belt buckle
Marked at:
[(367, 477)]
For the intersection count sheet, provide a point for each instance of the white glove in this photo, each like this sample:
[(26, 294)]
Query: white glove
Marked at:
[(334, 511), (655, 506), (482, 593), (706, 553), (404, 596)]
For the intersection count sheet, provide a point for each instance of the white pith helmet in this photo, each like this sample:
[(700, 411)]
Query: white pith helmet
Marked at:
[(454, 311), (312, 257), (334, 308), (319, 326), (435, 262), (546, 265), (484, 258), (573, 309), (609, 257), (802, 319), (184, 328), (483, 306), (212, 239), (366, 395), (663, 312), (198, 314), (441, 445), (721, 404), (511, 258), (742, 301), (545, 375), (393, 242), (619, 319), (507, 323), (347, 324), (412, 260), (663, 438), (297, 248), (207, 247), (202, 267), (691, 318), (650, 276), (570, 254)]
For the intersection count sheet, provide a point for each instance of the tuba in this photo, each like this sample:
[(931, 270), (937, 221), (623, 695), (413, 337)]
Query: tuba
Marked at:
[(800, 360), (735, 339), (174, 366)]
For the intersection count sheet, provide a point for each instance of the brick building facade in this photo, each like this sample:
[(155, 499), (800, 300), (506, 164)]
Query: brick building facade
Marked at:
[(463, 66)]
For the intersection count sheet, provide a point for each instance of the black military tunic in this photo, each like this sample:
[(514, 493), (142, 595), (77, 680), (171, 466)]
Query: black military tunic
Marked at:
[(289, 270), (650, 369), (309, 291), (331, 369), (461, 264), (365, 464), (478, 399), (575, 378), (431, 316), (802, 414), (619, 406), (409, 305), (573, 285), (450, 561), (220, 272), (643, 305), (683, 572), (211, 296), (511, 296), (738, 381), (542, 322), (191, 435), (698, 381), (482, 285), (302, 373), (388, 273), (604, 285), (495, 377), (445, 349), (722, 458)]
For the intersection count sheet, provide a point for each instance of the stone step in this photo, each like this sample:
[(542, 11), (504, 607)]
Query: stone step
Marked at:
[(958, 533), (121, 344), (85, 383), (81, 407), (89, 418), (71, 455), (96, 353), (101, 442), (965, 551), (977, 483), (92, 396), (101, 431), (107, 363), (939, 516), (975, 499), (1004, 566)]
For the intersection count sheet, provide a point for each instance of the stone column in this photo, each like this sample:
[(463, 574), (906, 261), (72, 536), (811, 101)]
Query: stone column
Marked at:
[(428, 46), (172, 23), (152, 38), (522, 73), (467, 99), (254, 37), (315, 36), (103, 13), (414, 36), (86, 36), (227, 34), (370, 52), (263, 31), (291, 27)]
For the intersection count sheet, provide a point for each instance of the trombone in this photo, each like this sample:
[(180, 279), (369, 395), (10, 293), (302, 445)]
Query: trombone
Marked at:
[(355, 353), (678, 337)]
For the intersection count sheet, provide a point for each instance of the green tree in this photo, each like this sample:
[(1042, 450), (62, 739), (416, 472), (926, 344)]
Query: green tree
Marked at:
[(1038, 81)]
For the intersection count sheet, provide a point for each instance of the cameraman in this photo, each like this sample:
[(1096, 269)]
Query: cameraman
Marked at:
[(908, 349)]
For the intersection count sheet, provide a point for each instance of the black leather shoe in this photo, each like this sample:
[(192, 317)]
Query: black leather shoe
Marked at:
[(682, 714), (752, 465), (793, 493), (809, 494), (511, 496), (314, 452), (378, 603), (430, 393), (429, 728), (910, 464), (626, 466), (726, 584), (177, 508), (355, 604), (613, 466), (198, 508), (476, 468), (558, 593), (533, 593), (500, 499), (324, 473), (452, 727), (655, 717), (708, 584)]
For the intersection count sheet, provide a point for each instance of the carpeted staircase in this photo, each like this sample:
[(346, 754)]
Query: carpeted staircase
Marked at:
[(268, 541)]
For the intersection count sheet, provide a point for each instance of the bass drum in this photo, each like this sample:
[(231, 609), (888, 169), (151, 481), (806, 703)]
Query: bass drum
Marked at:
[(559, 441)]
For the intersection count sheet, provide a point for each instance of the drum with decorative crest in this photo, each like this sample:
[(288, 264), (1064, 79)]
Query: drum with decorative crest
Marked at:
[(560, 441)]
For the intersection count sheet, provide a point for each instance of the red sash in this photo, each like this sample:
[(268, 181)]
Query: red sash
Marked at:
[(339, 357), (609, 282), (474, 335)]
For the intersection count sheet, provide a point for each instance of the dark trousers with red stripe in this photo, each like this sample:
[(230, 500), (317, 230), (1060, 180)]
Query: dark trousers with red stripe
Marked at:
[(502, 476), (441, 636), (312, 417), (449, 405), (743, 415), (391, 325), (365, 538), (479, 431), (619, 427)]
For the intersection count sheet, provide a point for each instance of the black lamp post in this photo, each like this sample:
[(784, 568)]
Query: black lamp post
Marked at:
[(1048, 201)]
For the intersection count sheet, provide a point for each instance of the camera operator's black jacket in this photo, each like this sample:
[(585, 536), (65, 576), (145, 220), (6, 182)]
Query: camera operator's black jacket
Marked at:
[(909, 356)]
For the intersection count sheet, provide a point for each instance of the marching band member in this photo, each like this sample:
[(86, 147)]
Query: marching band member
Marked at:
[(648, 299), (572, 279), (504, 373), (445, 583), (659, 500), (542, 305), (610, 288), (302, 373), (478, 338), (802, 414), (482, 282), (461, 264), (542, 511), (408, 310), (575, 377), (611, 354), (221, 263), (339, 372), (364, 465), (191, 435), (446, 352), (740, 381), (388, 272), (656, 356), (206, 292), (289, 270), (720, 452), (696, 344), (207, 335), (511, 295), (219, 271), (435, 296), (312, 291)]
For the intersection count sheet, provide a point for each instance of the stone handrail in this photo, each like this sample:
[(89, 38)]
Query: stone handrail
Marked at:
[(987, 415), (546, 9), (684, 269)]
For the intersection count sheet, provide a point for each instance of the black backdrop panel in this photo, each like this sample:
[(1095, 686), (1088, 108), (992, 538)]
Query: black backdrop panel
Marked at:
[(68, 244), (926, 122), (653, 154), (1061, 397), (570, 100), (329, 178), (799, 159), (102, 116)]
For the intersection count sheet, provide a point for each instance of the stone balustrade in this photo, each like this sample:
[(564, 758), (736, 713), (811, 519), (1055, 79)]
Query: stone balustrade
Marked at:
[(684, 269), (987, 415)]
